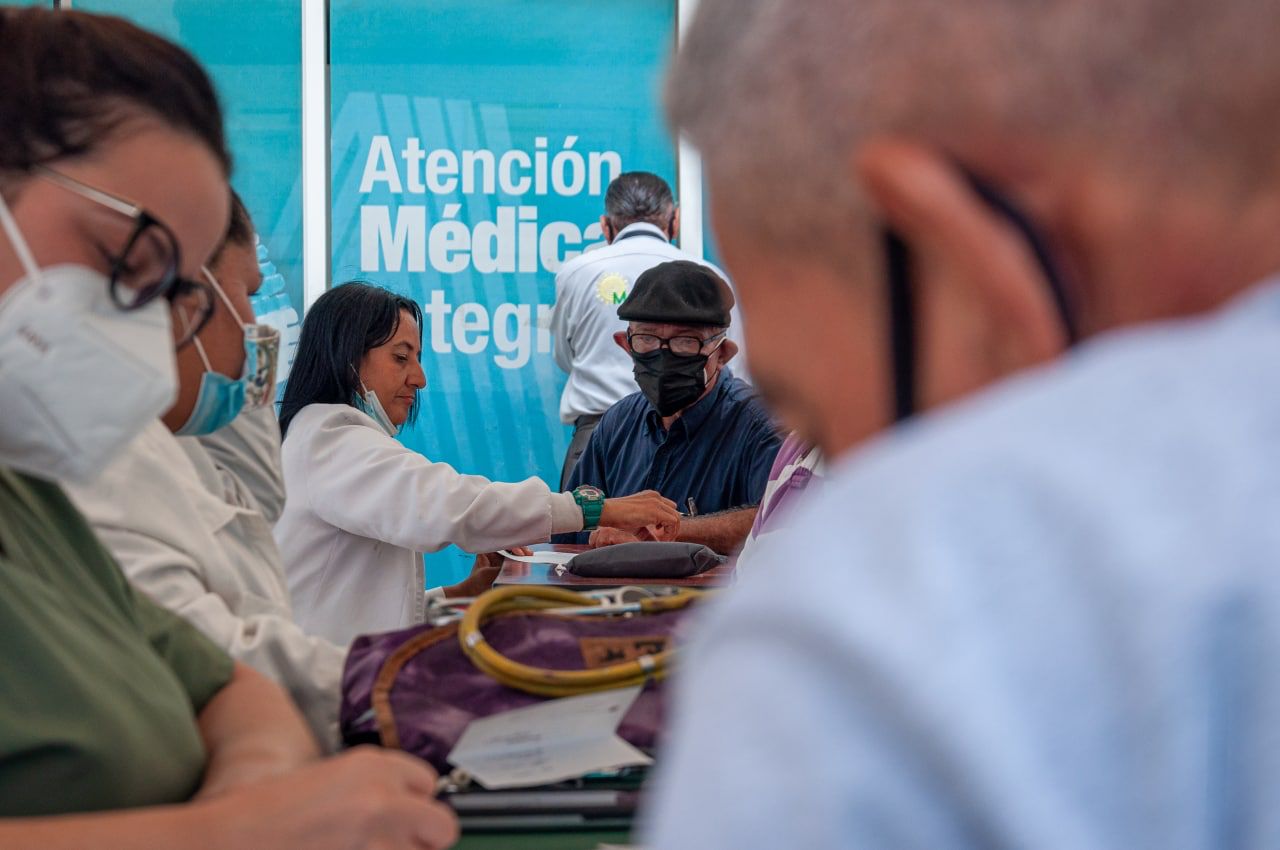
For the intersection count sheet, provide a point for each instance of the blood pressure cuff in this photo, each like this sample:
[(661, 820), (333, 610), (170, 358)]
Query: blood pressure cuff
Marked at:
[(646, 559)]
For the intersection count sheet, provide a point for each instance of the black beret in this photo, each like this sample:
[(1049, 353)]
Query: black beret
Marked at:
[(679, 293)]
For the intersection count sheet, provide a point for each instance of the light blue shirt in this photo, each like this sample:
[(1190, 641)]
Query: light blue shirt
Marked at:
[(1048, 617)]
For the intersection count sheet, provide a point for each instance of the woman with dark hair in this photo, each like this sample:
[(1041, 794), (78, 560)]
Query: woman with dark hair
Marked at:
[(362, 508), (113, 194)]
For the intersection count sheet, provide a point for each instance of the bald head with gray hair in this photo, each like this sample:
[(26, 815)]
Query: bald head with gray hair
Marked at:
[(639, 196), (967, 153), (777, 94)]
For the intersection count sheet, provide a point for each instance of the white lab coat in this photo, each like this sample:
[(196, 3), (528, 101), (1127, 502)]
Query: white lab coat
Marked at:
[(190, 536), (362, 509), (247, 456)]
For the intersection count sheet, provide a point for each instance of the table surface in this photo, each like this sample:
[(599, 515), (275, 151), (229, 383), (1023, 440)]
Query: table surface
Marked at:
[(516, 572), (540, 840)]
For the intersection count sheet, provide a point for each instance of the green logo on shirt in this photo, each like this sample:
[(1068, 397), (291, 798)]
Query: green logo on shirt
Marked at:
[(612, 289)]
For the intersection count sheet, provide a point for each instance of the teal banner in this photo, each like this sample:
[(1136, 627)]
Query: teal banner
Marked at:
[(473, 141), (253, 51)]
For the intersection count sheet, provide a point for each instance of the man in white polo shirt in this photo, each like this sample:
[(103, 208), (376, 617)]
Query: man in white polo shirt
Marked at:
[(640, 222)]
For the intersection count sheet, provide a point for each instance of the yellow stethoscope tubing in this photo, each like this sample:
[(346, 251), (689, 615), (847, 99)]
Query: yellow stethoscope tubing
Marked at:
[(558, 683)]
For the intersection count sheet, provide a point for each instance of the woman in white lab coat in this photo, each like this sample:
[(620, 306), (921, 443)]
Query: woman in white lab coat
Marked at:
[(361, 508), (187, 507)]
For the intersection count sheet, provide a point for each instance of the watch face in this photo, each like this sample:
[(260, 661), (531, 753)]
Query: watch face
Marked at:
[(590, 492)]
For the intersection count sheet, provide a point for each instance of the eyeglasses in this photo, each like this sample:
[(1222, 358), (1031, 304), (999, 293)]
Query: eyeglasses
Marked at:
[(130, 286), (681, 346)]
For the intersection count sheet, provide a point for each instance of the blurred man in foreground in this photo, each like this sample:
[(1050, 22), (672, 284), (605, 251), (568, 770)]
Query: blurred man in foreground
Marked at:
[(1047, 616)]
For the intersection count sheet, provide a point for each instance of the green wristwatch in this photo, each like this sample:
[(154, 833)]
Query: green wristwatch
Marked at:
[(591, 500)]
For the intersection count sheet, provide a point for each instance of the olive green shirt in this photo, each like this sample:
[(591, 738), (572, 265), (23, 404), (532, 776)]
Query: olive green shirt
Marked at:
[(99, 687)]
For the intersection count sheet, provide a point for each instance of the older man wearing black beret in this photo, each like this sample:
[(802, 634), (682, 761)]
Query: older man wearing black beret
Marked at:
[(694, 432)]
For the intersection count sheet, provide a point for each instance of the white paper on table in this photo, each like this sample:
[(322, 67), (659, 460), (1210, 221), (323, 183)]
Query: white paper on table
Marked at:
[(548, 742), (541, 557)]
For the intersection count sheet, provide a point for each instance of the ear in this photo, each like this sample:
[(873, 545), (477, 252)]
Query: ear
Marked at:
[(607, 229), (675, 225), (727, 351), (964, 245), (620, 337)]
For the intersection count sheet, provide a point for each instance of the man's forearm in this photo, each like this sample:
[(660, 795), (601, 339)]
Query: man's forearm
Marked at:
[(725, 532), (252, 731)]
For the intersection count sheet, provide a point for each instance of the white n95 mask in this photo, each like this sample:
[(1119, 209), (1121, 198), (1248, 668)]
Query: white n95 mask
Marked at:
[(79, 377)]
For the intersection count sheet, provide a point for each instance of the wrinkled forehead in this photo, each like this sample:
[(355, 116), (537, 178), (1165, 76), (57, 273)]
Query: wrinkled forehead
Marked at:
[(667, 330)]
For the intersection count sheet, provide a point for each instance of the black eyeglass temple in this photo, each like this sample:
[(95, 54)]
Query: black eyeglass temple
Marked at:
[(1033, 237), (902, 330)]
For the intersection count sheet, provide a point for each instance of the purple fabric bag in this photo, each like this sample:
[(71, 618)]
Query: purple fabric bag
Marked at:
[(415, 690)]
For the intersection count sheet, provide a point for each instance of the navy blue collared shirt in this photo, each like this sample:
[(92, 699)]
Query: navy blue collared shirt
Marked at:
[(717, 454)]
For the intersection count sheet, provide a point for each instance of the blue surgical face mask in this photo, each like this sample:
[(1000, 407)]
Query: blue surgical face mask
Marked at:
[(367, 401), (221, 399)]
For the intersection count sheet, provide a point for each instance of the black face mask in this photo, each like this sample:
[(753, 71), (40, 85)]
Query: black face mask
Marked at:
[(902, 324), (669, 381)]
